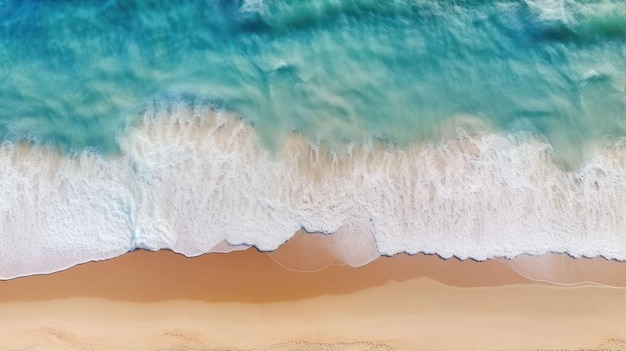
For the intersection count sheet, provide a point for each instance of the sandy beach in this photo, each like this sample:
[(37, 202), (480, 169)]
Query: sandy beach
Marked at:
[(248, 300), (312, 175)]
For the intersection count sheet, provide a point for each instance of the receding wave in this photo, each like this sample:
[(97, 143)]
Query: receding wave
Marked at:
[(190, 179)]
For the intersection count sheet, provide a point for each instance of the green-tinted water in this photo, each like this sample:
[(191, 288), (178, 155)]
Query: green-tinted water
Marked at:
[(75, 73)]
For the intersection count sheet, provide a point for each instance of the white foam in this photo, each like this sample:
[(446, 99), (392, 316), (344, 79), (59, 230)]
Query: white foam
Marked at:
[(573, 13), (56, 212), (479, 196), (551, 10), (190, 180), (253, 6)]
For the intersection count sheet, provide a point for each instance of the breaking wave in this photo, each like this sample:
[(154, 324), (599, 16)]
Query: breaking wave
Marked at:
[(191, 178)]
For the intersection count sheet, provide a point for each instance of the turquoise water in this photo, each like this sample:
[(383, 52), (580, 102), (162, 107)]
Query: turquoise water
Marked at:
[(474, 129), (75, 74)]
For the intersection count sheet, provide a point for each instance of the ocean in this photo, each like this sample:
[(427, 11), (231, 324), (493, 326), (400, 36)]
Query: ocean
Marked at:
[(475, 129)]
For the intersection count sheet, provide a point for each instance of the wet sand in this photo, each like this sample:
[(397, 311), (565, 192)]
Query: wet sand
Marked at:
[(249, 300)]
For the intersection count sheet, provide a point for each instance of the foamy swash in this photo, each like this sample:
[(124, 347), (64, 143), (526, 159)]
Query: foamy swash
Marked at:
[(189, 179)]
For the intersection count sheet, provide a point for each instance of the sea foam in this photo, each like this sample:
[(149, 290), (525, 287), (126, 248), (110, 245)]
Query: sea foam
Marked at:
[(190, 179)]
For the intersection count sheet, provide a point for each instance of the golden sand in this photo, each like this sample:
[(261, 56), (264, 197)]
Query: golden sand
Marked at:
[(247, 300)]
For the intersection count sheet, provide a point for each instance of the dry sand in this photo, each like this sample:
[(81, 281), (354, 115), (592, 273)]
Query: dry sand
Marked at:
[(246, 300)]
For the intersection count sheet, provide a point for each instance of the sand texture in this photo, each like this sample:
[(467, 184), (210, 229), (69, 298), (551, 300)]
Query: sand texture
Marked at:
[(248, 300)]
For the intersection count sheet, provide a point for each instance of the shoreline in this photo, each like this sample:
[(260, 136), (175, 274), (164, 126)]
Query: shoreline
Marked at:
[(247, 300), (310, 259)]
